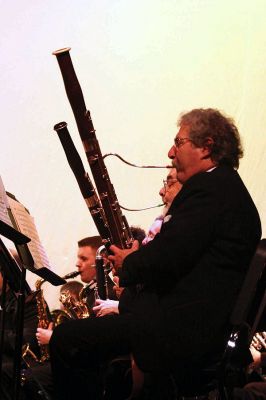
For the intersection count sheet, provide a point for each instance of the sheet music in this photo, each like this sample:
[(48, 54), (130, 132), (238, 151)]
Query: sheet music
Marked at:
[(4, 205), (26, 225)]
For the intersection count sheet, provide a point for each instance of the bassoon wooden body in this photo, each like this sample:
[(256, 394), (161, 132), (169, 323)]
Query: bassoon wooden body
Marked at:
[(112, 216)]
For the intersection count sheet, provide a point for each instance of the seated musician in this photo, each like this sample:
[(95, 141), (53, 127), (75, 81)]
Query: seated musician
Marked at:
[(39, 378), (120, 368), (85, 263), (181, 314), (171, 186)]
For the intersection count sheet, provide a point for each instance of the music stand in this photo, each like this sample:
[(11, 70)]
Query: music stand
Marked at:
[(16, 281), (15, 275), (10, 233)]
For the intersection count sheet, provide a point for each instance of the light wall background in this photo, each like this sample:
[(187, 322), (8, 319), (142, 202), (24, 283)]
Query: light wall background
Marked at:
[(140, 63)]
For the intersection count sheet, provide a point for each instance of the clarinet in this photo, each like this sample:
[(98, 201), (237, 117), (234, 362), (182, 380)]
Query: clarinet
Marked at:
[(116, 221)]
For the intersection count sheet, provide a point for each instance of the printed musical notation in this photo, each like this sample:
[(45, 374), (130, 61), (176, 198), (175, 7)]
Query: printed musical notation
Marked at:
[(26, 225), (4, 205), (13, 213)]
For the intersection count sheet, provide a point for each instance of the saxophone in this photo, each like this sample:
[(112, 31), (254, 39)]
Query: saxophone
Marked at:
[(43, 318), (43, 322)]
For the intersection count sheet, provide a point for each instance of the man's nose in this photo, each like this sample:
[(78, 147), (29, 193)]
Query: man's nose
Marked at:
[(162, 191), (171, 152)]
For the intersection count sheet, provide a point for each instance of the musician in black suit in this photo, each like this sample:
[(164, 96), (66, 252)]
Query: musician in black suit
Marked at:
[(190, 273)]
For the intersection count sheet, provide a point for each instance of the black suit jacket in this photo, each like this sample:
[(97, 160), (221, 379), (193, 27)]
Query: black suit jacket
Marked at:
[(192, 271)]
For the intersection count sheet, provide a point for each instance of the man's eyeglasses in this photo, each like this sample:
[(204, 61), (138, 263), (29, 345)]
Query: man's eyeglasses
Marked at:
[(180, 141), (167, 183)]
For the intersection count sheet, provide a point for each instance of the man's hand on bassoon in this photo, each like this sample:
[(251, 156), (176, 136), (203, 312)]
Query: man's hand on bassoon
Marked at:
[(119, 255)]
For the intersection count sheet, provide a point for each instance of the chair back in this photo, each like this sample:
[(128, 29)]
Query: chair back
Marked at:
[(245, 317), (252, 297)]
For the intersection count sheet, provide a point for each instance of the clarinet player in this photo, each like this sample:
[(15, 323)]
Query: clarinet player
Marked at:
[(208, 237)]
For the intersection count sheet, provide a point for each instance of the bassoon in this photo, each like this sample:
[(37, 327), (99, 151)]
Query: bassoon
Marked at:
[(85, 184), (120, 234)]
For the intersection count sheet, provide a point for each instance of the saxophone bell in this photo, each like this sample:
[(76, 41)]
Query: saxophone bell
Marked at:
[(59, 317), (75, 307)]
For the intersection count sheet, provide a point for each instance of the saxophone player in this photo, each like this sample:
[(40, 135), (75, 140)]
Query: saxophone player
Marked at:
[(39, 377), (85, 264)]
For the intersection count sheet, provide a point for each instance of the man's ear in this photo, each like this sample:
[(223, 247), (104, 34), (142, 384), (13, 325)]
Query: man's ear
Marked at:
[(207, 147)]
